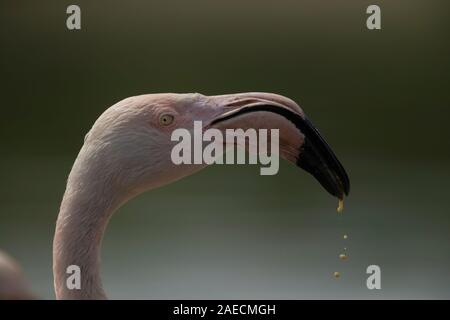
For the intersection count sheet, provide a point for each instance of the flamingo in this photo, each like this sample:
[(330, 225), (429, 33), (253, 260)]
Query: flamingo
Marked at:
[(127, 152), (13, 285)]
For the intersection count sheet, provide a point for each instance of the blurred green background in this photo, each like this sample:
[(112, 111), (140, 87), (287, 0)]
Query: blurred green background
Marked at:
[(380, 98)]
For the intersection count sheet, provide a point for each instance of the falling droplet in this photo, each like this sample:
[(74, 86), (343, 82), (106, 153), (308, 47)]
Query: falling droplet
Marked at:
[(340, 207), (342, 256), (345, 248)]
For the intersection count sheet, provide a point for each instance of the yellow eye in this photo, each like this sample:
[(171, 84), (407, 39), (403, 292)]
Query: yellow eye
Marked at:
[(166, 119)]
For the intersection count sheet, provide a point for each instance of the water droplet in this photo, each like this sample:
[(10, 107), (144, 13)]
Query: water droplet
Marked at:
[(340, 207), (343, 256), (336, 274), (345, 236), (345, 248)]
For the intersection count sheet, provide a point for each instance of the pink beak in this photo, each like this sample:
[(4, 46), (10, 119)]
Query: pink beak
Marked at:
[(300, 142)]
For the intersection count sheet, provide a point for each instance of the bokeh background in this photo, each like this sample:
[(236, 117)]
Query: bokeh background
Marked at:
[(380, 98)]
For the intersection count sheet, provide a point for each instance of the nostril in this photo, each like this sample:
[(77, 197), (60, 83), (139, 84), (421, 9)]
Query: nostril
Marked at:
[(240, 103)]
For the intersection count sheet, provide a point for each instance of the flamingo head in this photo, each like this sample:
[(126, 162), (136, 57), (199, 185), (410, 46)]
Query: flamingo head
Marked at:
[(132, 139)]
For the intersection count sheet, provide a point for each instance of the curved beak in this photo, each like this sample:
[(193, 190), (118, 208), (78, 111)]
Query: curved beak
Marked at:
[(300, 141)]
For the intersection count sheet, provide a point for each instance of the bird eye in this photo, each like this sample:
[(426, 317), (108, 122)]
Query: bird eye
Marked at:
[(166, 119)]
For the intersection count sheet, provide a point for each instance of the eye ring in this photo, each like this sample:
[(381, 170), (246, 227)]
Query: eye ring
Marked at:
[(166, 119)]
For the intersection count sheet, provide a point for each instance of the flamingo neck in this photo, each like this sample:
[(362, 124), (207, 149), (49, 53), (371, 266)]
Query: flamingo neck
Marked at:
[(90, 199)]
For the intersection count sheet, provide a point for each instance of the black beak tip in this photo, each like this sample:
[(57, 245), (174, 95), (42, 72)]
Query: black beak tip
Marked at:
[(317, 158), (343, 183), (345, 188), (334, 182), (337, 184)]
